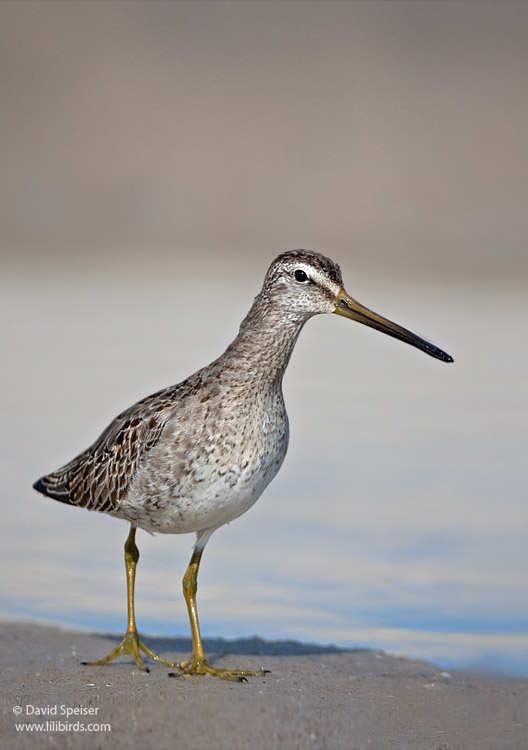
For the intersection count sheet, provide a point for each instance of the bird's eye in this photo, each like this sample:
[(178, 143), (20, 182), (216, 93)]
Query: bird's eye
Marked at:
[(300, 275)]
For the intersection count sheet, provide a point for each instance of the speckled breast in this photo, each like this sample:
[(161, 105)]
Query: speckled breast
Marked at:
[(215, 458)]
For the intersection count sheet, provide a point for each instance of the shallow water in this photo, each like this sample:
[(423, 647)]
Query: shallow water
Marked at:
[(398, 520)]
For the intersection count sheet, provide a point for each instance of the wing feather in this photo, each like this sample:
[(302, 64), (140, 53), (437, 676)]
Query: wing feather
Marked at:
[(98, 478)]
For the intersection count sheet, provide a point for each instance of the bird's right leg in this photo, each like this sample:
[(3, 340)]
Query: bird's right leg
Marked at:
[(131, 643), (198, 664)]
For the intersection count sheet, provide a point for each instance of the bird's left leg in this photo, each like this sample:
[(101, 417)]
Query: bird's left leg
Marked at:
[(131, 643), (198, 664)]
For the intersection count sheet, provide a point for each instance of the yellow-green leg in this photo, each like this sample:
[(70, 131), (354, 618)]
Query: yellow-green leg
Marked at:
[(131, 643), (198, 664)]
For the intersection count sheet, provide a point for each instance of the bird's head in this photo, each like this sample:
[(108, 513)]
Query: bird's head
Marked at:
[(303, 283)]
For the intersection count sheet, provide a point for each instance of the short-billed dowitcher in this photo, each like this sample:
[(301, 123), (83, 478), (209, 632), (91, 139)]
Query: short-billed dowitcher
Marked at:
[(194, 456)]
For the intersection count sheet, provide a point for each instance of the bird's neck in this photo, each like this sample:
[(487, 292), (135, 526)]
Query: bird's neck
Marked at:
[(265, 342)]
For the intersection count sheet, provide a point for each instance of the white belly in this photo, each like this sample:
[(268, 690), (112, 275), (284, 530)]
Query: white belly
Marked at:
[(177, 492)]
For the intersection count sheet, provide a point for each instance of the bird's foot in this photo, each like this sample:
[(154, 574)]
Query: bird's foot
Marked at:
[(132, 646), (201, 666)]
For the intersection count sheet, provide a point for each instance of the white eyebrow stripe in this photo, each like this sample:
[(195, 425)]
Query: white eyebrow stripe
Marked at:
[(318, 277)]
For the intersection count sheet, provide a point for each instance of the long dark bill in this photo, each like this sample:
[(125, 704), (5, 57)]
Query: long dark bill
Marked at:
[(349, 308)]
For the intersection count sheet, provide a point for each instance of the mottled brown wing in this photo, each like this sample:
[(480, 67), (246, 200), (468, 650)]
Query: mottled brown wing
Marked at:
[(98, 478)]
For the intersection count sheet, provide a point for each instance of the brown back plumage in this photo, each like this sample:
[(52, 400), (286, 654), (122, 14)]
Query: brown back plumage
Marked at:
[(98, 478)]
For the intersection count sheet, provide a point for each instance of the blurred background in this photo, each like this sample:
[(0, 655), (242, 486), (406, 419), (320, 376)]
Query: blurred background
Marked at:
[(155, 157)]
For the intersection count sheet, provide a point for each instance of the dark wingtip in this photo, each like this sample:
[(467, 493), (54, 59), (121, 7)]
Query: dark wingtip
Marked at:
[(40, 486), (55, 493)]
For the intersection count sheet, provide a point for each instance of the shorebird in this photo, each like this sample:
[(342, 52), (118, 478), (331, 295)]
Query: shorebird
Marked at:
[(194, 456)]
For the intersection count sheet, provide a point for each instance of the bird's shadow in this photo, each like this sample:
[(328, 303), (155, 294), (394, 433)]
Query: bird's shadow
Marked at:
[(254, 646)]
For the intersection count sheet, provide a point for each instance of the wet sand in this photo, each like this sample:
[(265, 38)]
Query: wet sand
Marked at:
[(314, 697)]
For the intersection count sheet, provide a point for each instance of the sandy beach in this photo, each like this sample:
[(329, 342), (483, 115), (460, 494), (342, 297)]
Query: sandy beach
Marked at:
[(313, 697)]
